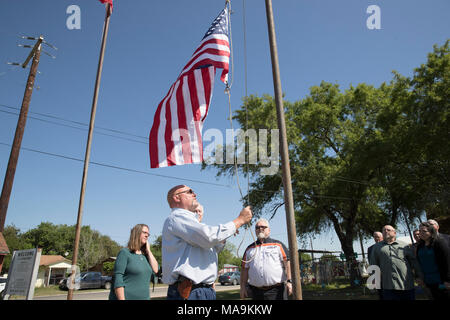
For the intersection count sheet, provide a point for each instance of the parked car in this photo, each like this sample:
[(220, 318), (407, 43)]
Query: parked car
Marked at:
[(230, 277), (89, 280)]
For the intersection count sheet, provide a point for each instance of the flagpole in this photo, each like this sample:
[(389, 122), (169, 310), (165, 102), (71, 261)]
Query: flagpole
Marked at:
[(288, 199), (88, 151)]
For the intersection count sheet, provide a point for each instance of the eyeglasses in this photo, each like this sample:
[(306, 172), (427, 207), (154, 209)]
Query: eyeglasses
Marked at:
[(190, 191), (146, 233), (261, 227)]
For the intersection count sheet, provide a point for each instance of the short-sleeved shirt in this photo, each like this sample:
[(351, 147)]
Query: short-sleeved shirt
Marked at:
[(133, 272), (396, 262), (266, 262)]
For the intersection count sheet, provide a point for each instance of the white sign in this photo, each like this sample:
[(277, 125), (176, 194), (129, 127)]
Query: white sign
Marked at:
[(23, 273)]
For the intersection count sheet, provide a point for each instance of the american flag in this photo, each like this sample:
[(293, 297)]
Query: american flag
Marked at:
[(108, 1), (176, 134)]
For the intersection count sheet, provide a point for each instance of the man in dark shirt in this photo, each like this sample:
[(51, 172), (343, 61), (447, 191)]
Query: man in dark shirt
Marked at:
[(377, 237), (444, 236)]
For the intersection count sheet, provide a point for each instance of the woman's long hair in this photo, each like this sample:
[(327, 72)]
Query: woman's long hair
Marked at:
[(134, 243), (431, 230)]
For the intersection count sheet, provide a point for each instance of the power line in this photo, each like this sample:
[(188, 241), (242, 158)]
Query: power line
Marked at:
[(82, 129), (117, 167), (77, 122), (343, 179)]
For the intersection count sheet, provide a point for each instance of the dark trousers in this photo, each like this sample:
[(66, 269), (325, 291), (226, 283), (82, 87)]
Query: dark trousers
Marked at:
[(398, 294), (437, 293), (275, 293), (196, 294)]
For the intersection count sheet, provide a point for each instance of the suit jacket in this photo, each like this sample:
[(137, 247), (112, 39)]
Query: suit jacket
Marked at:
[(442, 255)]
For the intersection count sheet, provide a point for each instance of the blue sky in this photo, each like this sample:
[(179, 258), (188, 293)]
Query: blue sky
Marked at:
[(148, 44)]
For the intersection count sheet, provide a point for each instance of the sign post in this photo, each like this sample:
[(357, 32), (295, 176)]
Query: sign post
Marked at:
[(23, 273)]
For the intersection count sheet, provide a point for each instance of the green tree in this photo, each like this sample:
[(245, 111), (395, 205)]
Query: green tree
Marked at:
[(157, 249), (329, 134), (59, 239), (227, 256), (14, 240), (305, 257), (417, 124)]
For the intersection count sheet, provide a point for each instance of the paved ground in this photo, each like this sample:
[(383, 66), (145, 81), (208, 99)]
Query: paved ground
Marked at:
[(160, 291)]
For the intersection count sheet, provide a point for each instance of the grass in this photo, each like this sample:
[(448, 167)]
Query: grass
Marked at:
[(50, 291)]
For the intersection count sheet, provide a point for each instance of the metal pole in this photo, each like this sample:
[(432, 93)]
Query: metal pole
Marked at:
[(21, 122), (407, 225), (362, 247), (88, 150), (288, 199)]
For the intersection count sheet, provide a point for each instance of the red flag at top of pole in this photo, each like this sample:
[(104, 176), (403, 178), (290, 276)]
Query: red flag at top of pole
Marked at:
[(176, 134), (108, 1)]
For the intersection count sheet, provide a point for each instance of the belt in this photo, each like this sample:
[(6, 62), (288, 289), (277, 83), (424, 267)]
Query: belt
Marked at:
[(194, 286), (265, 288), (201, 285)]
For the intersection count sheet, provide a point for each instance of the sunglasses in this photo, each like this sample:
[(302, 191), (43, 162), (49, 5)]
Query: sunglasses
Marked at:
[(190, 191), (261, 227)]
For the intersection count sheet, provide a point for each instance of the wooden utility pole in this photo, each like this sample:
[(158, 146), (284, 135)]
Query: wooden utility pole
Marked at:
[(288, 199), (35, 54), (88, 151)]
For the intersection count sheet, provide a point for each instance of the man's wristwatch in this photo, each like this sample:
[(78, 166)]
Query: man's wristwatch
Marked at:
[(289, 281)]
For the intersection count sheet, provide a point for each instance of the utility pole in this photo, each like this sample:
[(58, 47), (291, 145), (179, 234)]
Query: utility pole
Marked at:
[(88, 151), (288, 199), (362, 247), (20, 128)]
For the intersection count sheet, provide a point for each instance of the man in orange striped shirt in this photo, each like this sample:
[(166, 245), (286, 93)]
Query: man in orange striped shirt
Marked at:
[(265, 267)]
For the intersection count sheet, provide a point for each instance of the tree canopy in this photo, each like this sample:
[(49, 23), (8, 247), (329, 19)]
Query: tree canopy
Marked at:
[(58, 240)]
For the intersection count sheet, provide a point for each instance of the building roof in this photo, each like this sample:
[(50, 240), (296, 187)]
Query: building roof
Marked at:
[(4, 250), (47, 260)]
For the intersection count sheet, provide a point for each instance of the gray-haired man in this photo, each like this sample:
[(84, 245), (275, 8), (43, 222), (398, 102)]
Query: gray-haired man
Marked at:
[(444, 236)]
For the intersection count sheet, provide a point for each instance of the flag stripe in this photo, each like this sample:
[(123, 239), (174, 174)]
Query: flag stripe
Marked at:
[(195, 110), (174, 152)]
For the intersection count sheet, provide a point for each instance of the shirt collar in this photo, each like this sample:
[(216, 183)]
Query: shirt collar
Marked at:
[(181, 210), (267, 240)]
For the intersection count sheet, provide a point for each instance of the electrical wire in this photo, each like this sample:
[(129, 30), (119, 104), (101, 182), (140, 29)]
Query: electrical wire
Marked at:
[(77, 122), (117, 167)]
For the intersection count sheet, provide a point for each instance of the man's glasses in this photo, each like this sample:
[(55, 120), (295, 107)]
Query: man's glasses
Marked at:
[(261, 227), (190, 191)]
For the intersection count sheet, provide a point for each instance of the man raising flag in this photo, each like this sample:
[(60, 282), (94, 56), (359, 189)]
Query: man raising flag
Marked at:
[(176, 134)]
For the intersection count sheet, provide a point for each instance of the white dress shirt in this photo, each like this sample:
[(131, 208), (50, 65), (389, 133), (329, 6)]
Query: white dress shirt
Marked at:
[(190, 248)]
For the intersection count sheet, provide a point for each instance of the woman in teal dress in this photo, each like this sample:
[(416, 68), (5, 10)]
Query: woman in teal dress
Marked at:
[(134, 267)]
